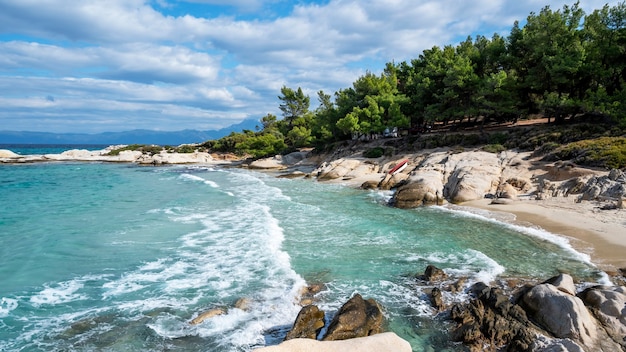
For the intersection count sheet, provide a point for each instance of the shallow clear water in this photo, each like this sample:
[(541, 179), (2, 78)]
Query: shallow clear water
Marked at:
[(118, 257)]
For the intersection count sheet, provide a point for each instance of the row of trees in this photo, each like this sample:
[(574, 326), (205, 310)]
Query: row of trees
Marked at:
[(561, 63)]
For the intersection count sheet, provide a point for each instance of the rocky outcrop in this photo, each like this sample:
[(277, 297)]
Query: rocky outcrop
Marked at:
[(384, 342), (491, 319), (561, 314), (308, 323), (542, 317), (356, 318), (608, 305)]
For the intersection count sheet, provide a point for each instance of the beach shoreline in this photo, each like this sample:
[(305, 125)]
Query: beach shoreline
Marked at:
[(597, 233), (601, 234)]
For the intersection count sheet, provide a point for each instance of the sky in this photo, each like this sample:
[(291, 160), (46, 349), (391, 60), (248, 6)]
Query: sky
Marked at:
[(91, 66)]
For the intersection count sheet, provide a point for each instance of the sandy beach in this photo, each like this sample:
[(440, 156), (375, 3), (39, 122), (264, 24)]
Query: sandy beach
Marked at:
[(599, 233)]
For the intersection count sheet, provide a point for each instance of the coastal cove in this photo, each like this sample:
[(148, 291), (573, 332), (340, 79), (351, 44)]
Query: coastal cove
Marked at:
[(114, 254)]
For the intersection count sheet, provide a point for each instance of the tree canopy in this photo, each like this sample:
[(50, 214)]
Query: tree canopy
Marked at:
[(560, 63)]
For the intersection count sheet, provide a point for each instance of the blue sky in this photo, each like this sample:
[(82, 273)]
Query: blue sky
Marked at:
[(93, 66)]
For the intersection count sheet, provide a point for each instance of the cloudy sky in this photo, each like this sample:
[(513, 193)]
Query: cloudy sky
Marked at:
[(92, 66)]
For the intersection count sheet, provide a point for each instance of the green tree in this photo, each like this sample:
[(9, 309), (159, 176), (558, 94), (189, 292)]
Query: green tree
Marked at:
[(294, 104)]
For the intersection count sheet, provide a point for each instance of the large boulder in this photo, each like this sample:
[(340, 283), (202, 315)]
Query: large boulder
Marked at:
[(5, 153), (563, 283), (336, 169), (273, 163), (608, 304), (560, 313), (423, 189), (384, 342), (356, 318), (308, 324)]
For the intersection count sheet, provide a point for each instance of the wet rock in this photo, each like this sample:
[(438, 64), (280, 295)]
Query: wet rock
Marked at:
[(207, 315), (492, 320), (433, 274), (436, 299), (371, 184), (243, 303), (308, 323), (356, 318)]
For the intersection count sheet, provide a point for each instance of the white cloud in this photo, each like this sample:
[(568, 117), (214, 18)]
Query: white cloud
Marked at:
[(119, 64)]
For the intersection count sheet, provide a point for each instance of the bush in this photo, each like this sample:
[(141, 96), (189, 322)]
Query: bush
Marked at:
[(374, 152), (607, 152), (149, 149), (494, 148)]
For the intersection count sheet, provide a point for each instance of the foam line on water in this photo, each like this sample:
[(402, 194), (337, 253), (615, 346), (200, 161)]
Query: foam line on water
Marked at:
[(199, 179), (537, 232), (62, 292)]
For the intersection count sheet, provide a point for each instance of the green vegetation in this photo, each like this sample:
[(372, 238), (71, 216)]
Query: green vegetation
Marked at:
[(150, 149), (374, 153), (603, 152), (561, 64)]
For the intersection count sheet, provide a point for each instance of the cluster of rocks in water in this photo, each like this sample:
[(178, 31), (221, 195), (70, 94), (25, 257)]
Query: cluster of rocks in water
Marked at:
[(547, 316)]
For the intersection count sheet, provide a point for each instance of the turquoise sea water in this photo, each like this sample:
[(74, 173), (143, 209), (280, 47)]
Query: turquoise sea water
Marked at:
[(119, 257)]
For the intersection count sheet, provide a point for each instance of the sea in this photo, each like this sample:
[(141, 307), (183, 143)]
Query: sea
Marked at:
[(120, 257)]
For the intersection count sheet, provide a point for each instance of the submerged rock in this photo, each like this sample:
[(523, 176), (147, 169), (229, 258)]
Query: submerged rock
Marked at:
[(207, 315)]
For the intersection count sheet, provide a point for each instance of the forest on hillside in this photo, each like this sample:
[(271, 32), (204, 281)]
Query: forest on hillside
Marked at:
[(560, 64)]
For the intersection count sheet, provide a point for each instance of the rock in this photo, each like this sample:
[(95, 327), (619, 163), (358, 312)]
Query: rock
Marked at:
[(416, 194), (207, 315), (507, 191), (308, 323), (433, 274), (561, 314), (436, 299), (565, 170), (4, 153), (371, 184), (243, 304), (294, 158), (295, 174), (492, 320), (356, 318), (275, 162), (384, 342), (459, 285), (608, 304), (564, 283), (337, 169)]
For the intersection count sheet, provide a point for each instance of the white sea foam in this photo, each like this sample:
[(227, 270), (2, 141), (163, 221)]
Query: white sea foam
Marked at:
[(199, 179), (6, 306), (470, 263), (63, 292), (559, 240)]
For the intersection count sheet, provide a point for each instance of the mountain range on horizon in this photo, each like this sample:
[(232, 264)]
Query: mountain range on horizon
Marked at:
[(125, 137)]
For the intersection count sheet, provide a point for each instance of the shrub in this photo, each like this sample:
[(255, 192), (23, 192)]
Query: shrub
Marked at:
[(374, 152), (607, 152), (494, 148)]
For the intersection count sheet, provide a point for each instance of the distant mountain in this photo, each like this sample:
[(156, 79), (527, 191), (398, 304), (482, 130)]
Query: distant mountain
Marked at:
[(127, 137)]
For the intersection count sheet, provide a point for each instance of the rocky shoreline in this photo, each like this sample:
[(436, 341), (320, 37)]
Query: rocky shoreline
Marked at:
[(554, 315)]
